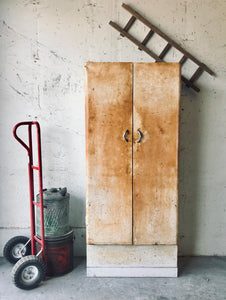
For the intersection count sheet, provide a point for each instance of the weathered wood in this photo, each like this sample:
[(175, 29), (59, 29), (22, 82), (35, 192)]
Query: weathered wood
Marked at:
[(164, 51), (129, 24), (188, 83), (183, 60), (196, 75), (147, 38), (109, 156), (135, 41), (168, 39), (155, 158), (151, 53)]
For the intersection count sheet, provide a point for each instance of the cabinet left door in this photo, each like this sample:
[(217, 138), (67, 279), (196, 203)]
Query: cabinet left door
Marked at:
[(108, 154)]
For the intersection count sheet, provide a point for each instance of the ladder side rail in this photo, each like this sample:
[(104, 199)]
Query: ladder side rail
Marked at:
[(168, 39)]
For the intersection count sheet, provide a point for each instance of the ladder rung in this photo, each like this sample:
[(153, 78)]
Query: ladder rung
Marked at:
[(165, 50), (147, 38), (196, 75), (183, 59), (189, 84), (129, 24), (35, 168)]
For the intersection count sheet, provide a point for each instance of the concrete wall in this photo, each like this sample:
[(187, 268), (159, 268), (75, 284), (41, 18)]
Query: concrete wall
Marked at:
[(44, 44)]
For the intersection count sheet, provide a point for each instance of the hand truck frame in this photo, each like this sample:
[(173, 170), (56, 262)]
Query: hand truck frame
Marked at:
[(29, 270)]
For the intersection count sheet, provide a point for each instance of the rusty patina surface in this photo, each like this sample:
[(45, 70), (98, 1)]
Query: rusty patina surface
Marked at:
[(132, 185), (109, 156), (155, 158)]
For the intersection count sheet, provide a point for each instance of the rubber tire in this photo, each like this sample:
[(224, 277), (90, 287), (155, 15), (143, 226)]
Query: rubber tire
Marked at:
[(7, 251), (20, 267)]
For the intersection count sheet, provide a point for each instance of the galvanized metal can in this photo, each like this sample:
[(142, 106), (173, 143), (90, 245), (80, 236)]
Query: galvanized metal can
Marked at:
[(56, 212)]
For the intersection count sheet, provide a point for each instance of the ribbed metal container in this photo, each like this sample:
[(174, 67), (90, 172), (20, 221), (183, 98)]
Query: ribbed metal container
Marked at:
[(56, 212)]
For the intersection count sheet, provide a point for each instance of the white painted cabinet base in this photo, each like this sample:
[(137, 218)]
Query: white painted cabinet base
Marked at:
[(132, 272), (132, 261)]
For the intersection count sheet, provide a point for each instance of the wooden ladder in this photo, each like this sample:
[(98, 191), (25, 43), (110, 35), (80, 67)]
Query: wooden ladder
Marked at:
[(170, 43)]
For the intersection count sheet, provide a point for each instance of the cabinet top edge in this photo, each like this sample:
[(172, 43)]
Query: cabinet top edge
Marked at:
[(107, 62), (133, 63)]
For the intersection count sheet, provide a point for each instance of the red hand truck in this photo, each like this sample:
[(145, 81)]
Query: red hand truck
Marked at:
[(30, 267)]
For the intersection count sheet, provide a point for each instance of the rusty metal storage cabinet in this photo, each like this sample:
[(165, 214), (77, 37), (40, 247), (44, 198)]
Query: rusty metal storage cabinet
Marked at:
[(132, 120)]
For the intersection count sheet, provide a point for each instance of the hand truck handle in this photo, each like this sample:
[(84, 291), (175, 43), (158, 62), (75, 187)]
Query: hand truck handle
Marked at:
[(19, 139)]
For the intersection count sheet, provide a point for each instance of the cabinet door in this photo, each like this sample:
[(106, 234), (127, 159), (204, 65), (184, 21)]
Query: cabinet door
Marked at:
[(109, 156), (155, 158)]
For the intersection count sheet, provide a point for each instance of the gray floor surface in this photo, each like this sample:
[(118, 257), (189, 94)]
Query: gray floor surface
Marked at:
[(200, 278)]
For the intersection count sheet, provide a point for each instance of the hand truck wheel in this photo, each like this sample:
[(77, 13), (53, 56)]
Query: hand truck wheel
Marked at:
[(28, 272), (15, 248)]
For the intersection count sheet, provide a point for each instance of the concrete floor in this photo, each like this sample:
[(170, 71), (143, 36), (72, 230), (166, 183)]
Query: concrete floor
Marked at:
[(201, 278)]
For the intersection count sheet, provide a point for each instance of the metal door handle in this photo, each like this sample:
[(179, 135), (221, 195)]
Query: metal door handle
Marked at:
[(141, 135), (125, 134)]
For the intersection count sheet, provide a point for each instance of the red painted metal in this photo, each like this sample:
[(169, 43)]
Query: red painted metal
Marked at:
[(59, 251), (31, 169), (35, 168)]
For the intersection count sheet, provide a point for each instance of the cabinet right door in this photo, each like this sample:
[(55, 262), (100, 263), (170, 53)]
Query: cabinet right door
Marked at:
[(155, 157)]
